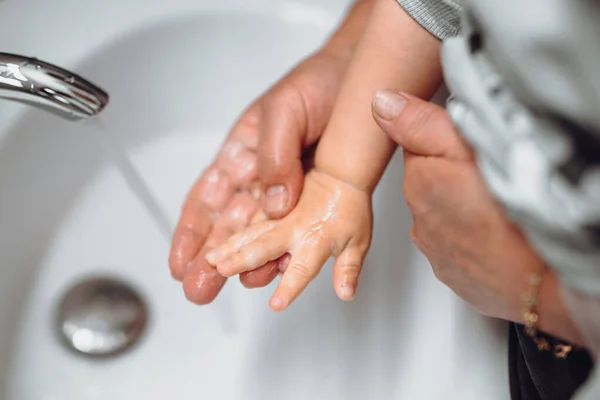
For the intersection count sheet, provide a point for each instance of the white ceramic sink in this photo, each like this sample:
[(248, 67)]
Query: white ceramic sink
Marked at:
[(178, 73)]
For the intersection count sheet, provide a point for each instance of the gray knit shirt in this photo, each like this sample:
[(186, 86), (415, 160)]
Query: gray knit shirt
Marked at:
[(440, 17)]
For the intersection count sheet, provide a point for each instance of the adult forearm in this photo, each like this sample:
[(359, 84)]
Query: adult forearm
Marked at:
[(344, 40)]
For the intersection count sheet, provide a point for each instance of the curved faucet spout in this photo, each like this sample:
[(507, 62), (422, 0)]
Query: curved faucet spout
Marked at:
[(49, 87)]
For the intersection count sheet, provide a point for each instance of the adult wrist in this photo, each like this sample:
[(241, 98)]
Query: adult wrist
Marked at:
[(344, 40), (554, 317)]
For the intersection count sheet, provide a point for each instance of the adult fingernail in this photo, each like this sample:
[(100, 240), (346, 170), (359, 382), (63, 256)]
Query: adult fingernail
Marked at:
[(347, 291), (388, 105), (276, 198)]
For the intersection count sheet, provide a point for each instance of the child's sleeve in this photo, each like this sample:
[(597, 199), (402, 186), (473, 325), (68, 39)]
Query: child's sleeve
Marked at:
[(440, 17)]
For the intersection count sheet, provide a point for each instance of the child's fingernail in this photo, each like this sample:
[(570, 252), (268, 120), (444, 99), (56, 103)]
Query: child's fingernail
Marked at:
[(276, 198), (225, 266), (277, 303), (388, 105), (347, 291), (213, 256)]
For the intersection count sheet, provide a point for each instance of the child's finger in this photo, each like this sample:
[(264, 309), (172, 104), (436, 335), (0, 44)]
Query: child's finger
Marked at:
[(235, 242), (346, 271), (258, 216), (267, 247), (306, 262)]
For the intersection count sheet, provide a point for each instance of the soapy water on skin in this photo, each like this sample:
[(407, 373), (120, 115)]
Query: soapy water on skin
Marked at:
[(118, 155), (314, 234)]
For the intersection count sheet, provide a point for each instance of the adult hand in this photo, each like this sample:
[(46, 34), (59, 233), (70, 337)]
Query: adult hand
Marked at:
[(471, 245), (266, 142), (265, 145)]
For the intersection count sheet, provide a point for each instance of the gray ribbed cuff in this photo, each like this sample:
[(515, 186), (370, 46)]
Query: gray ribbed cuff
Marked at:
[(440, 17)]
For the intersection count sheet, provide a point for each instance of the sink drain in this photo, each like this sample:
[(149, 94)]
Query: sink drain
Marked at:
[(101, 317)]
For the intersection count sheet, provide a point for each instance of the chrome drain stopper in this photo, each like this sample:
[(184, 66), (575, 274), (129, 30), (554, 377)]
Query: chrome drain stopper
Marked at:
[(101, 317)]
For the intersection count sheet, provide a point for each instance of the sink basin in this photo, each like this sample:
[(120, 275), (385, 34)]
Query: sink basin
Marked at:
[(178, 73)]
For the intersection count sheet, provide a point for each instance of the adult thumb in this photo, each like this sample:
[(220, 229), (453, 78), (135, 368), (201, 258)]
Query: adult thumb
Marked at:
[(280, 168), (418, 126)]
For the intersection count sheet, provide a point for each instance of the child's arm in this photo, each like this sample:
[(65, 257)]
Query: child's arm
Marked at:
[(333, 216), (394, 52)]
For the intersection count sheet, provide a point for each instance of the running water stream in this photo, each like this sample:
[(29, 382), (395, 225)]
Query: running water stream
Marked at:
[(118, 154)]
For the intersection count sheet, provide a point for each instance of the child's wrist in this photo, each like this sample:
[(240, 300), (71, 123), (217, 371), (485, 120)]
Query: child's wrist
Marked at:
[(330, 170)]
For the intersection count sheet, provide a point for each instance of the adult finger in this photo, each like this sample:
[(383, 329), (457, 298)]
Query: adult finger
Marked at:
[(209, 195), (418, 126)]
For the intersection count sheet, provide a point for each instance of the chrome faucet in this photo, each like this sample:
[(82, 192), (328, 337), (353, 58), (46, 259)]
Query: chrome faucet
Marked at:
[(46, 86)]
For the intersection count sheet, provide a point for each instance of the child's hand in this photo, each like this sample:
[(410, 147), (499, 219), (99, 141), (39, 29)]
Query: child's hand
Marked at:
[(332, 218)]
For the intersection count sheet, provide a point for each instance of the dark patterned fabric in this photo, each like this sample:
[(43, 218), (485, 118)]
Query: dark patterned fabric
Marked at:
[(539, 375)]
